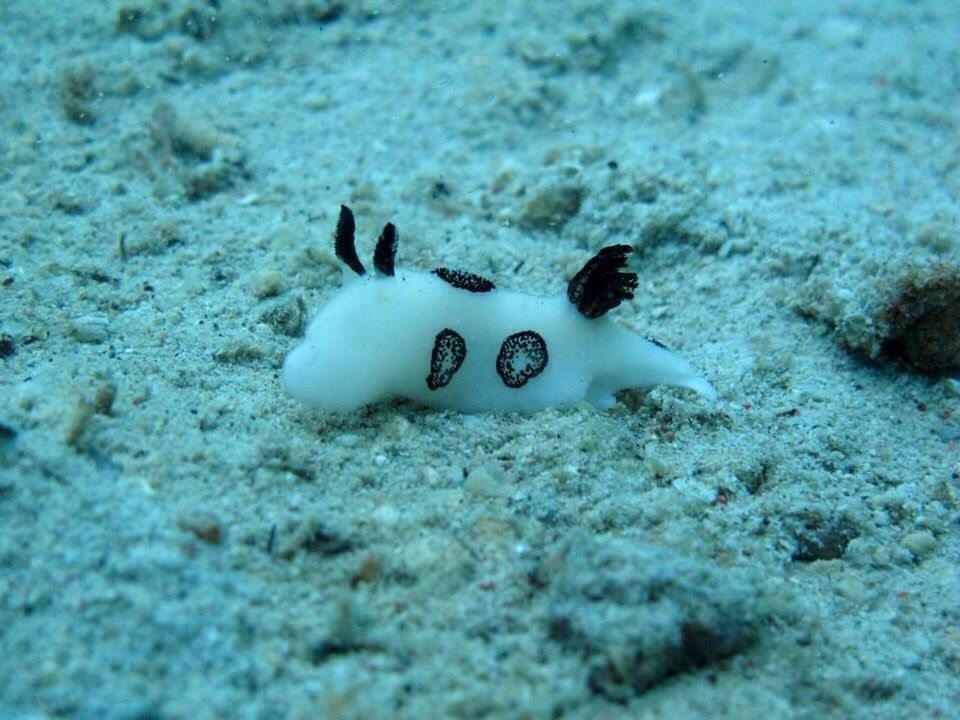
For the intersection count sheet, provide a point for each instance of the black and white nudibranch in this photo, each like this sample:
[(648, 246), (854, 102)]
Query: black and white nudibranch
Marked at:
[(452, 339)]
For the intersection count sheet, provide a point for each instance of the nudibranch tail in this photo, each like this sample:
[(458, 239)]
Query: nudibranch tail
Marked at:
[(654, 364)]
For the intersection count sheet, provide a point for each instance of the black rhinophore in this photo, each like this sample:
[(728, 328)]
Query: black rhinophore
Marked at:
[(343, 241), (386, 250), (600, 285)]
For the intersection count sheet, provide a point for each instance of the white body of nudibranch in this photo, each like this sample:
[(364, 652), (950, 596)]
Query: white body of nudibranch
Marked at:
[(450, 339)]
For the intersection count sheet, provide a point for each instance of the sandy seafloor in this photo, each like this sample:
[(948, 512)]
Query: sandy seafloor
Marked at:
[(180, 539)]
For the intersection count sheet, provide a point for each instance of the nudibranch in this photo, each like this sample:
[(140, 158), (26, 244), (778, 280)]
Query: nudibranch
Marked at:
[(452, 339)]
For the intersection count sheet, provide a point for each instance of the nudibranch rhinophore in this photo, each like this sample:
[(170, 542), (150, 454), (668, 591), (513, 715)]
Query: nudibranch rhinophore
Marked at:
[(452, 339)]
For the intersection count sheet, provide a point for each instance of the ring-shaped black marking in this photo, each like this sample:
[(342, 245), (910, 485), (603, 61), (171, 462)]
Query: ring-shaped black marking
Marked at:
[(448, 354), (522, 356), (464, 280)]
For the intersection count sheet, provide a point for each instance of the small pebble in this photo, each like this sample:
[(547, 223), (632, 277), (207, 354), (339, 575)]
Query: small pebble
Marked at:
[(76, 421), (91, 328), (552, 207), (654, 464), (953, 386), (104, 397), (369, 569), (7, 433), (266, 284), (921, 544), (8, 345), (202, 524), (397, 427), (484, 481)]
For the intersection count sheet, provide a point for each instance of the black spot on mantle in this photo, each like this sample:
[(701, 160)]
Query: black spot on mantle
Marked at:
[(464, 280), (522, 356)]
